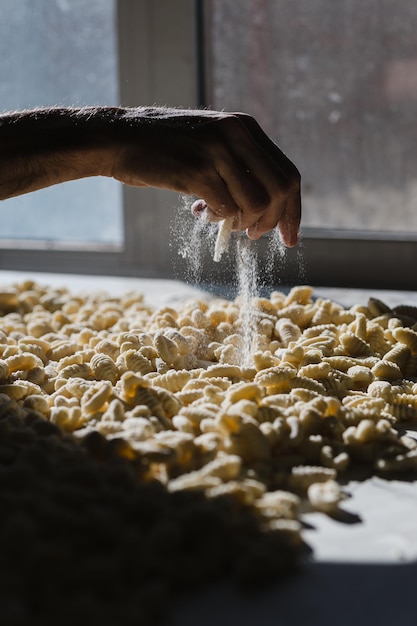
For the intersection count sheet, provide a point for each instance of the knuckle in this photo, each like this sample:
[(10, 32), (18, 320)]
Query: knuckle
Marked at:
[(230, 125)]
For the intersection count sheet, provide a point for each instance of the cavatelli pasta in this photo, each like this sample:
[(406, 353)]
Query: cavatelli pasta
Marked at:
[(167, 388), (104, 368)]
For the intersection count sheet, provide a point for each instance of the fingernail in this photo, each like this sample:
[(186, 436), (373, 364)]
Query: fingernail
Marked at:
[(289, 237), (198, 207)]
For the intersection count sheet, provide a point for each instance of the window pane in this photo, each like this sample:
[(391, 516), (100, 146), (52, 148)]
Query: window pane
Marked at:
[(60, 52), (335, 84)]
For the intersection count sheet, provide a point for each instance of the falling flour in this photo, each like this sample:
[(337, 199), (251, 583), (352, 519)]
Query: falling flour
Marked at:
[(192, 233), (248, 290), (248, 277)]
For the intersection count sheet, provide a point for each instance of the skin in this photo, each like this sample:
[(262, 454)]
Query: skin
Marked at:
[(224, 159)]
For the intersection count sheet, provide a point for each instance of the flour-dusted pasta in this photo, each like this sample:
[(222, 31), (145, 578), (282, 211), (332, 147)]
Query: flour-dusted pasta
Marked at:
[(406, 336), (168, 389), (166, 348), (104, 368), (96, 397), (354, 345), (23, 361), (69, 418), (4, 369), (302, 477), (385, 370), (223, 237), (287, 331), (326, 496), (277, 377), (135, 361)]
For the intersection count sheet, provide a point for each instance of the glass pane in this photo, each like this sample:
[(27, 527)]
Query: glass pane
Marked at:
[(335, 85), (60, 52)]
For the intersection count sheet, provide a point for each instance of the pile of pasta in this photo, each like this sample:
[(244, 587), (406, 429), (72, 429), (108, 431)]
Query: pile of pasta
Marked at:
[(328, 389)]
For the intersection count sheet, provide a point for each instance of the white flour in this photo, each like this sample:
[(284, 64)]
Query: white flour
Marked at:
[(192, 233)]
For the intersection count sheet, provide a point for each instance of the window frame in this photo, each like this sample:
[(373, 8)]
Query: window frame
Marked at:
[(162, 59), (335, 257), (150, 42)]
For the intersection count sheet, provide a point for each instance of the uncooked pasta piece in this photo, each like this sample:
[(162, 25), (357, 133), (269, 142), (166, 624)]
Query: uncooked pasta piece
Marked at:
[(20, 389), (244, 391), (380, 389), (403, 407), (8, 299), (400, 354), (173, 380), (23, 361), (326, 496), (115, 412), (193, 481), (69, 418), (77, 370), (167, 348), (279, 376), (73, 359), (308, 383), (76, 387), (222, 371), (104, 368), (138, 428), (354, 345), (317, 371), (294, 355), (171, 405), (406, 336), (96, 396), (4, 369), (249, 443), (384, 370), (304, 476), (301, 295), (324, 313), (129, 383), (60, 349), (279, 504), (135, 362), (264, 359), (287, 331), (223, 237), (37, 403), (361, 376), (109, 347)]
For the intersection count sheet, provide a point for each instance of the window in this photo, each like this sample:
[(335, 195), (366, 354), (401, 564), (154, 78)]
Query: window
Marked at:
[(337, 88), (61, 52), (334, 86), (69, 52)]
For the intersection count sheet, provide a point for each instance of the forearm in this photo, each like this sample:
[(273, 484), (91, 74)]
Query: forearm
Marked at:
[(223, 158), (47, 146)]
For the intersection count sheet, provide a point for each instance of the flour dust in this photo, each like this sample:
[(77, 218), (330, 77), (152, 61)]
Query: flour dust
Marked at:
[(247, 280), (193, 234), (301, 262)]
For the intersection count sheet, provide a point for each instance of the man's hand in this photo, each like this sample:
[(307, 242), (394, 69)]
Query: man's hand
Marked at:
[(225, 159)]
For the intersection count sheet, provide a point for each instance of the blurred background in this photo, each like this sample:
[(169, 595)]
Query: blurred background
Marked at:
[(333, 83)]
